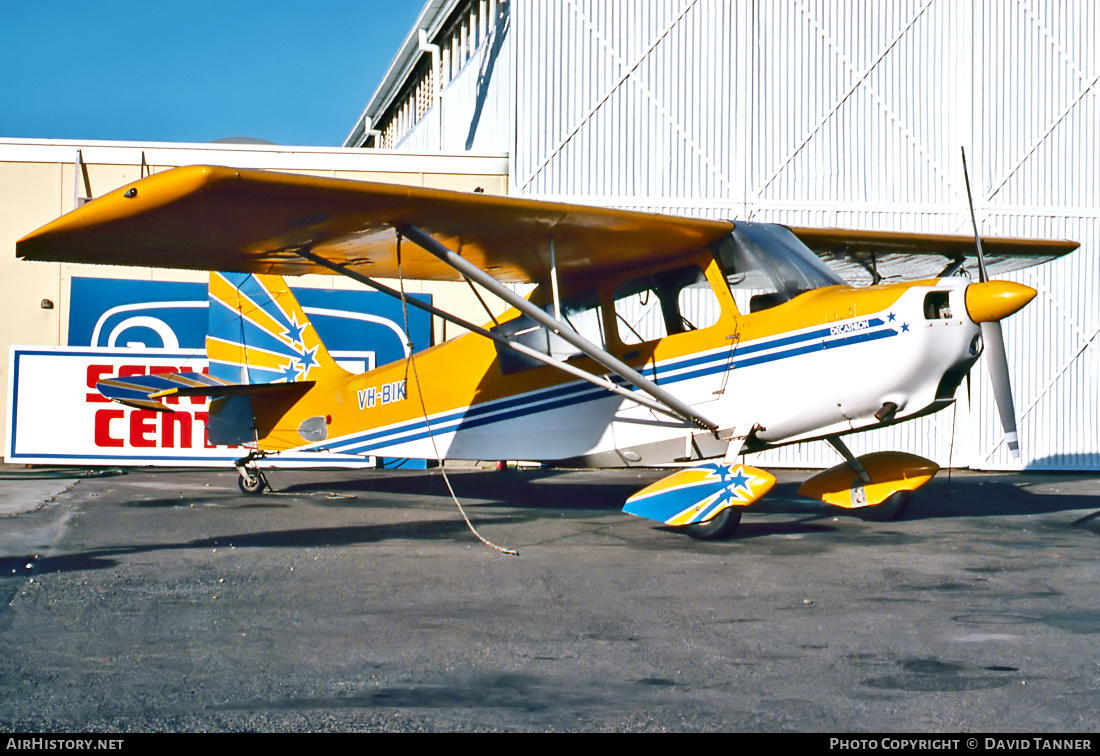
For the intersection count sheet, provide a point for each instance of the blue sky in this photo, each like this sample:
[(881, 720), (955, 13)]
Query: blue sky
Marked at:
[(295, 73)]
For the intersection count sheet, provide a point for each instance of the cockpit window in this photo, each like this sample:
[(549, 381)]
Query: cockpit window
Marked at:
[(581, 311), (767, 265), (660, 304)]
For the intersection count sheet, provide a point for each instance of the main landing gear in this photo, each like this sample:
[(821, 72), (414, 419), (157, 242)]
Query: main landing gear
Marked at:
[(717, 528), (892, 508), (883, 488)]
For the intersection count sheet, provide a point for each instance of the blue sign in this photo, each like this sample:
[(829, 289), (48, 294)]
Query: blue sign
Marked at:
[(360, 329)]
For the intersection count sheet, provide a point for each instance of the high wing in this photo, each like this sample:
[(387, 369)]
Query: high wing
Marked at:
[(912, 256), (211, 218), (248, 221)]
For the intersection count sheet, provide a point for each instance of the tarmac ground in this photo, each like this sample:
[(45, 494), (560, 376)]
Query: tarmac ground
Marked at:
[(169, 601)]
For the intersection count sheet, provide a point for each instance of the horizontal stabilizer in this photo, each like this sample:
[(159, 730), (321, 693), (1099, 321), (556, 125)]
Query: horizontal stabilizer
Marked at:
[(149, 391)]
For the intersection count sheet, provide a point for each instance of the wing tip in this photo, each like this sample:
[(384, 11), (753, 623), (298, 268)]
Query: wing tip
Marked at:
[(54, 241)]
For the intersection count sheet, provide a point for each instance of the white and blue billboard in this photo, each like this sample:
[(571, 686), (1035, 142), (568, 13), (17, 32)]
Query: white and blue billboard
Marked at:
[(138, 327)]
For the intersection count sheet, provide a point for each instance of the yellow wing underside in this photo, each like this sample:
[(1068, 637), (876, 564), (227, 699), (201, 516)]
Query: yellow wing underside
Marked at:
[(210, 218), (214, 218)]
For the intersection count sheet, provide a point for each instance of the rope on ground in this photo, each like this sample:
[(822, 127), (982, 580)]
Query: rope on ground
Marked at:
[(410, 364)]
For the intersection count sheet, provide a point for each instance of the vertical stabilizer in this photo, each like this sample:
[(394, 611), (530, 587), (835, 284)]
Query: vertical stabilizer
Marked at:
[(258, 333)]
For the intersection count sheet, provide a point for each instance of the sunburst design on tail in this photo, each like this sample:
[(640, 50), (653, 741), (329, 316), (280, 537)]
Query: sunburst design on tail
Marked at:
[(258, 333)]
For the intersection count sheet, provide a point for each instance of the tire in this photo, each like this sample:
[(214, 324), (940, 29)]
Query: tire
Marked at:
[(891, 509), (717, 528), (254, 483)]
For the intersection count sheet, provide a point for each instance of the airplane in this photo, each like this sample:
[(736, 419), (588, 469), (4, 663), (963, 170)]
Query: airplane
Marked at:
[(648, 339)]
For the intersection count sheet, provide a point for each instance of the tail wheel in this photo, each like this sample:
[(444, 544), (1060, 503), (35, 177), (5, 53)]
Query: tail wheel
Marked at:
[(889, 510), (717, 528), (252, 482)]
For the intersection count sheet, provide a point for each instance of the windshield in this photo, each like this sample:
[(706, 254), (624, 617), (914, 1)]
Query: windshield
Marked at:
[(769, 261)]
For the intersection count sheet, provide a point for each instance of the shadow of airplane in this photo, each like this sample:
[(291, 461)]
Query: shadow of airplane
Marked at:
[(516, 497), (303, 538), (955, 495)]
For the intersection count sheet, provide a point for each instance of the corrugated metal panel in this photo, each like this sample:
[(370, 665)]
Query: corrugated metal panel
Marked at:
[(628, 100), (853, 103), (1038, 102), (1054, 353), (1037, 122), (848, 114)]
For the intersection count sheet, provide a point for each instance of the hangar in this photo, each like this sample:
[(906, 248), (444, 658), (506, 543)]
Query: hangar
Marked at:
[(827, 114), (817, 114), (43, 179)]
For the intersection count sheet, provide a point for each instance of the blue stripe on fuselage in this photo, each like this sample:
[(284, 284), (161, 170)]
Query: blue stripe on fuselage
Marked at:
[(560, 397)]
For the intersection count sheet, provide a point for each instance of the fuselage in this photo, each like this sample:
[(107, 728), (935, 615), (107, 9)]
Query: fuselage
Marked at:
[(829, 360)]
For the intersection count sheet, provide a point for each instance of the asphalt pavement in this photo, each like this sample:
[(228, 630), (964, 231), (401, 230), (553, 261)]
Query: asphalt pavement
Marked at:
[(348, 601)]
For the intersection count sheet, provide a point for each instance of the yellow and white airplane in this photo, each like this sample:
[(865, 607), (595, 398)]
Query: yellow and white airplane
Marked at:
[(648, 339)]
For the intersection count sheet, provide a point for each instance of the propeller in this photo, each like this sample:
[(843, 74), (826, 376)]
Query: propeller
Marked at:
[(987, 303)]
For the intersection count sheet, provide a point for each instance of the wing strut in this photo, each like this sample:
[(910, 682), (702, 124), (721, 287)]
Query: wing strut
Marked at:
[(616, 366), (523, 349)]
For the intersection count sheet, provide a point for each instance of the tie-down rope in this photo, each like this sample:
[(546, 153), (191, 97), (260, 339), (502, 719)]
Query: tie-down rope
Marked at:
[(410, 362)]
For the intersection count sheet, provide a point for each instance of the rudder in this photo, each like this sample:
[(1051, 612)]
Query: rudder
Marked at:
[(258, 333)]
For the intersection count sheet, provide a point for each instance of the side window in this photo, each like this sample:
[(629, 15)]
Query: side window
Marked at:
[(639, 314), (660, 304), (699, 306), (586, 318), (581, 311)]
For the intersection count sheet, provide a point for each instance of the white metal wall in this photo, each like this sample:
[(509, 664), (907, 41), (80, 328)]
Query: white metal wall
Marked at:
[(628, 102), (1036, 105), (473, 111), (851, 114)]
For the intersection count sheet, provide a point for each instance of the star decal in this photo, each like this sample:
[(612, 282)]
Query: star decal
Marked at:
[(904, 327), (293, 334), (290, 371), (738, 481), (309, 360), (891, 318)]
